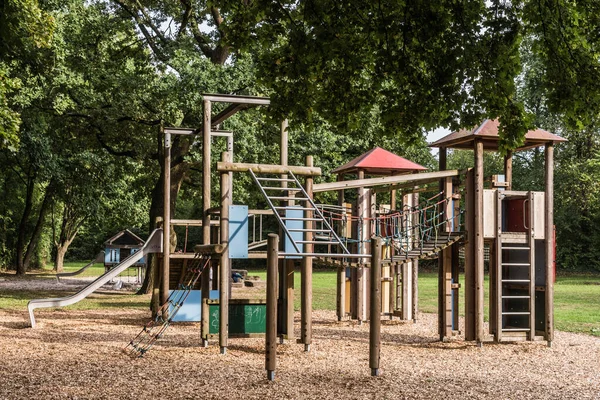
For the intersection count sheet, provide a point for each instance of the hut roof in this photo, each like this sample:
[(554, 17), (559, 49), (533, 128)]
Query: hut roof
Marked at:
[(125, 238), (488, 133), (378, 161)]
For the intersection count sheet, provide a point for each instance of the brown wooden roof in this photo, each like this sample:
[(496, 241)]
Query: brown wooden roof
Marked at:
[(488, 133)]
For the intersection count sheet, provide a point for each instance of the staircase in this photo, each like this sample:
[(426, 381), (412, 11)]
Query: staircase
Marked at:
[(515, 306), (156, 327), (281, 194)]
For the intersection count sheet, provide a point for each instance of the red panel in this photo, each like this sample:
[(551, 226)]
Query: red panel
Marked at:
[(517, 215)]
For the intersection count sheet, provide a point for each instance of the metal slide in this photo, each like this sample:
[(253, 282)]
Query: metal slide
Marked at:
[(98, 259), (153, 245)]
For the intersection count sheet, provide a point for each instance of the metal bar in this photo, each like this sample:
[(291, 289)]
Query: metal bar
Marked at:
[(319, 213), (271, 334), (281, 223)]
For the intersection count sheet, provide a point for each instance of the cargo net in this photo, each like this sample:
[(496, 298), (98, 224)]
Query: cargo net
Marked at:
[(156, 327)]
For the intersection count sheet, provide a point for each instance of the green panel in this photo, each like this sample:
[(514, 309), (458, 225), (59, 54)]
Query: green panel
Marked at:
[(243, 318)]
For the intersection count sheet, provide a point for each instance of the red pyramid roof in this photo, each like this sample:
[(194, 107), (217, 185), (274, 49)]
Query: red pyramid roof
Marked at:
[(378, 161), (487, 131)]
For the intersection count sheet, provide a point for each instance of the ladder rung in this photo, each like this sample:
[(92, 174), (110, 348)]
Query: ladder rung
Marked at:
[(287, 189), (516, 330), (515, 281), (288, 198), (316, 242), (307, 230), (516, 264), (300, 219), (515, 248), (276, 179), (295, 208), (516, 313), (516, 297)]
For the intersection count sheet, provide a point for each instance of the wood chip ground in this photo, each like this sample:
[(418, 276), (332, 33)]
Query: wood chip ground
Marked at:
[(75, 354)]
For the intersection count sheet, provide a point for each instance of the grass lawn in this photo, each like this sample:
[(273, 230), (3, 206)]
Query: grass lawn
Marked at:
[(576, 297)]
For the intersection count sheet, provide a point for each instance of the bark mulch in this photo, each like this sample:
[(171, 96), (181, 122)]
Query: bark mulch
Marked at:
[(75, 354)]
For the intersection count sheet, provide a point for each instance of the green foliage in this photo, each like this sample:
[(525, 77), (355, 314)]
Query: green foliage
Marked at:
[(416, 65)]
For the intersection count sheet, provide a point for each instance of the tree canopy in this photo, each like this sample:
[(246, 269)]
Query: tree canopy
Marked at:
[(85, 86)]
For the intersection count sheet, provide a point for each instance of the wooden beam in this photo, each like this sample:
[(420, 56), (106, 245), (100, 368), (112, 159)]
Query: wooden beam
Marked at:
[(375, 325), (228, 98), (164, 290), (479, 242), (307, 272), (384, 180), (228, 112), (271, 334), (549, 243), (225, 264), (508, 168), (268, 168), (206, 181)]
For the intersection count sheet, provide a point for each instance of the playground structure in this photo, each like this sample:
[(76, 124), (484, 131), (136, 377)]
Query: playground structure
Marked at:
[(387, 242)]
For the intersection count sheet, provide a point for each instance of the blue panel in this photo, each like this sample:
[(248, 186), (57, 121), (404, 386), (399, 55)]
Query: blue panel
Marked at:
[(111, 256), (191, 310), (238, 231), (141, 260), (292, 224)]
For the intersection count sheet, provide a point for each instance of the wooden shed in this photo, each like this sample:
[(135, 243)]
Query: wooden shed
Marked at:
[(121, 246)]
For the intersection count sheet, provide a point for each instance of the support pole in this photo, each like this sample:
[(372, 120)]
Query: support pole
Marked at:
[(224, 270), (441, 260), (341, 271), (363, 226), (206, 194), (549, 243), (470, 305), (508, 167), (375, 324), (478, 215), (307, 267), (271, 335), (286, 283), (164, 290), (415, 266), (206, 181)]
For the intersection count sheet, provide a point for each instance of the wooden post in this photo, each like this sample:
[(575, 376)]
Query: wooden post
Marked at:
[(206, 172), (415, 269), (206, 195), (224, 270), (360, 271), (478, 215), (441, 259), (470, 258), (164, 290), (307, 265), (271, 334), (508, 170), (549, 243), (286, 284), (341, 271), (375, 325)]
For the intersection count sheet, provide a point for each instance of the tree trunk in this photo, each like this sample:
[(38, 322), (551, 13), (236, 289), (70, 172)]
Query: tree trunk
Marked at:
[(21, 238), (60, 258), (37, 230)]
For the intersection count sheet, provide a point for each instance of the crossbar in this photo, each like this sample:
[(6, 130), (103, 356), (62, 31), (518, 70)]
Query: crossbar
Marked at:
[(267, 168), (384, 180)]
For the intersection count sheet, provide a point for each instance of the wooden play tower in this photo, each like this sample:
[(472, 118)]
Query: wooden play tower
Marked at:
[(518, 226)]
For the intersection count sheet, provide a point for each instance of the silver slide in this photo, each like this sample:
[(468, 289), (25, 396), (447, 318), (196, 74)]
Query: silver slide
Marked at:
[(99, 258), (153, 245)]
